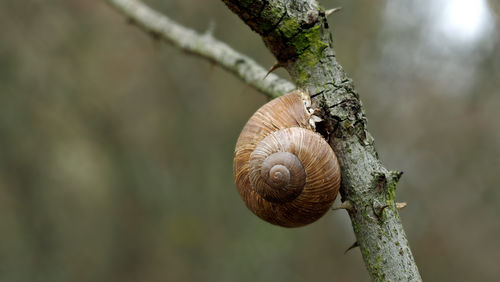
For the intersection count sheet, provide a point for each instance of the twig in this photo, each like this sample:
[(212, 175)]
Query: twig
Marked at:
[(297, 33), (203, 45), (331, 11)]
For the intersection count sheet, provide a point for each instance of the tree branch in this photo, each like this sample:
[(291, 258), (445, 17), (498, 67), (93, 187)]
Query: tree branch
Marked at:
[(203, 45), (296, 32)]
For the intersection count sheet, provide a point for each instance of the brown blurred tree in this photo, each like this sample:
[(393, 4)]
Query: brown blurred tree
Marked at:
[(297, 33)]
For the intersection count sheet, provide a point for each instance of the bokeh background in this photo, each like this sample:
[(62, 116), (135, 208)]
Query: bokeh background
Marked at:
[(116, 149)]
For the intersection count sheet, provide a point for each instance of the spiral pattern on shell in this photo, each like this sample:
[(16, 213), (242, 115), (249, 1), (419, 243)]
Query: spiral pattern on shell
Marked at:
[(286, 173)]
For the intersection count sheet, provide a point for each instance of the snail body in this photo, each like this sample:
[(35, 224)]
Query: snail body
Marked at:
[(285, 172)]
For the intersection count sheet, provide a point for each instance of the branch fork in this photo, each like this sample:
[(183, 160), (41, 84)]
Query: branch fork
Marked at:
[(303, 44)]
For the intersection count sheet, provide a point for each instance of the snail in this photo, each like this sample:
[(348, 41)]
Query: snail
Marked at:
[(285, 172)]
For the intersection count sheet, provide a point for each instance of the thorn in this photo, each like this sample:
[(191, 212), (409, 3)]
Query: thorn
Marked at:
[(346, 205), (331, 11), (379, 212), (354, 245), (210, 29), (397, 174), (402, 205), (275, 66)]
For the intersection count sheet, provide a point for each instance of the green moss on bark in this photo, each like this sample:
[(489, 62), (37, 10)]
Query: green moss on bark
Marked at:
[(310, 49)]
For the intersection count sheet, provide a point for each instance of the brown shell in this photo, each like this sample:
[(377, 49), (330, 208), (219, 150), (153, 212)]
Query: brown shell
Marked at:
[(282, 125)]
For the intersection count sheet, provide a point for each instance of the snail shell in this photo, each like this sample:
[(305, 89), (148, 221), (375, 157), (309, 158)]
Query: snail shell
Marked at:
[(286, 173)]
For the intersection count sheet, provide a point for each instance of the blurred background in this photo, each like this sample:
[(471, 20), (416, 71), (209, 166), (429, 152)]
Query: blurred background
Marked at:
[(116, 149)]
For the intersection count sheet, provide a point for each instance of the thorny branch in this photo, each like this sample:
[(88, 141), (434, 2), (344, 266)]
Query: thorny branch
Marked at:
[(297, 33), (203, 45)]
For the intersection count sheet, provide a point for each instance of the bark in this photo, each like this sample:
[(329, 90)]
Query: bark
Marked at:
[(296, 32), (203, 45)]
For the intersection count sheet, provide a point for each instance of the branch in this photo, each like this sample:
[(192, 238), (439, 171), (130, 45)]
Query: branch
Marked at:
[(296, 32), (203, 45)]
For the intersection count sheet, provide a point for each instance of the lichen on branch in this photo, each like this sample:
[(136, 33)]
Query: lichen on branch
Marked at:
[(297, 33)]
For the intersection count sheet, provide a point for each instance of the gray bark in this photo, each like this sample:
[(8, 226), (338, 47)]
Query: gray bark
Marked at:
[(203, 45), (296, 32)]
